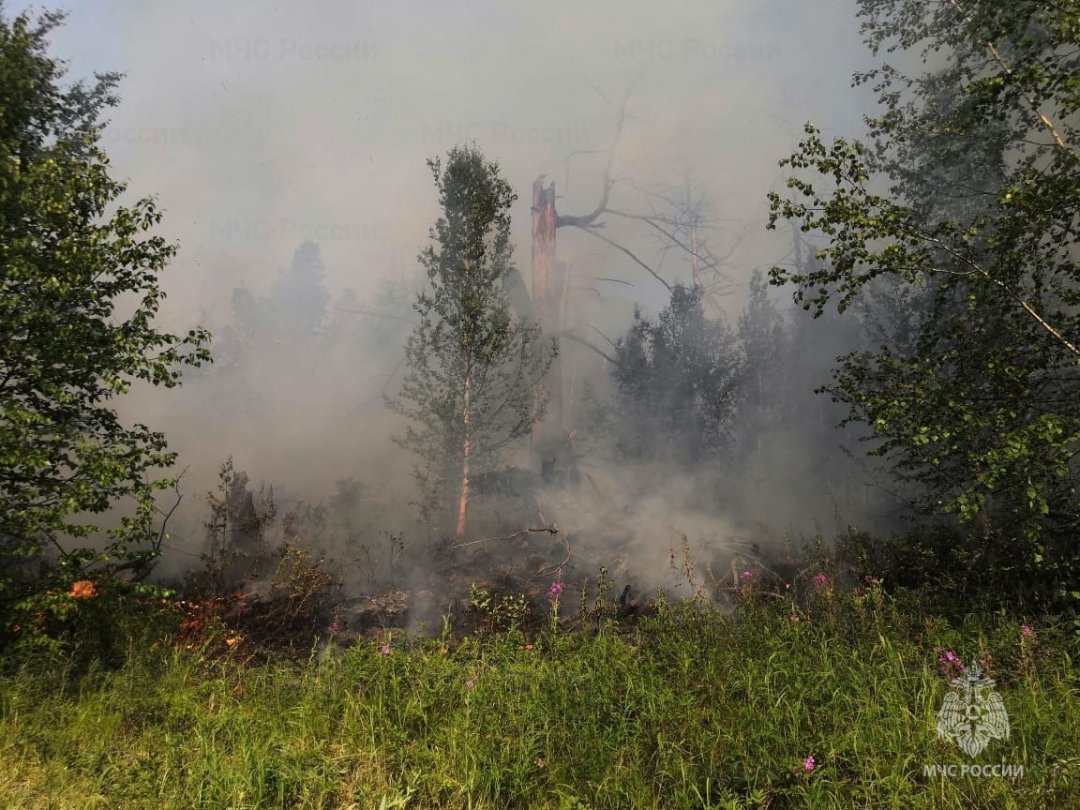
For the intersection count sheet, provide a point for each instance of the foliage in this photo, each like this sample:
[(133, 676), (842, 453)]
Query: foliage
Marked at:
[(497, 612), (79, 290), (270, 592), (958, 222), (300, 296), (237, 548), (678, 382), (292, 313), (268, 338), (763, 341), (297, 609), (692, 709), (473, 369)]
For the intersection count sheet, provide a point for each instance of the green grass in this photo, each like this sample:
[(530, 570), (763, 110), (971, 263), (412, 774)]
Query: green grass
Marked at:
[(690, 709)]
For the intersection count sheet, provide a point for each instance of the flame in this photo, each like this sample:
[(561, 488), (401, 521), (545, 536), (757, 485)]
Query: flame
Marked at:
[(83, 589)]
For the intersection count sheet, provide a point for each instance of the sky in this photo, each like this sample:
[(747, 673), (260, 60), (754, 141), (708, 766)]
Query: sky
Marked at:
[(258, 125)]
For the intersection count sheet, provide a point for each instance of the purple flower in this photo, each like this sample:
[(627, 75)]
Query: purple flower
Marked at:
[(808, 764), (555, 591), (821, 581), (746, 575), (1026, 632), (794, 618), (950, 663), (333, 627), (385, 649), (470, 684)]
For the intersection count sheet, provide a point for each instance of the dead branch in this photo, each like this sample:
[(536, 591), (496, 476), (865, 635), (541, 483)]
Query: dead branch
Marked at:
[(551, 529), (608, 340), (628, 252), (612, 280), (667, 226), (589, 220), (551, 569), (571, 336)]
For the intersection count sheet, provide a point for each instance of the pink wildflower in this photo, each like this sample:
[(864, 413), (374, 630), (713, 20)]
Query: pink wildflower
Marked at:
[(1027, 632), (808, 764), (385, 649), (470, 684), (555, 591), (746, 575), (950, 664), (794, 618)]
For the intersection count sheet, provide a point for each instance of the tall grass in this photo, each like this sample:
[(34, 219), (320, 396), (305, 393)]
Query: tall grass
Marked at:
[(692, 708)]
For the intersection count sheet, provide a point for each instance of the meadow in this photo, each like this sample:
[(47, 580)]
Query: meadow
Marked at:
[(828, 700)]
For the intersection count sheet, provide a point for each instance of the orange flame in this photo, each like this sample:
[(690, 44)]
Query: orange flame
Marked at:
[(83, 589)]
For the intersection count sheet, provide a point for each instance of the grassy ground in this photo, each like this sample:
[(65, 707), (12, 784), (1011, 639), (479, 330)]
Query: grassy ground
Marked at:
[(690, 708)]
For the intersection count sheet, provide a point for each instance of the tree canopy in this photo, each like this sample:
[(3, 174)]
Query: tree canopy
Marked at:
[(955, 225), (79, 292), (472, 384), (678, 380)]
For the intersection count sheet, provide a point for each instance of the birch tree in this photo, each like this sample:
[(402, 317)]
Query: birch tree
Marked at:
[(473, 367), (962, 208)]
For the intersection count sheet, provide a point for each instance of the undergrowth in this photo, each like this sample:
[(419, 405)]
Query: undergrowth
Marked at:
[(826, 701)]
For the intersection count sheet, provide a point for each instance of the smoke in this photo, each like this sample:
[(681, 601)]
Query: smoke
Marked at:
[(287, 145)]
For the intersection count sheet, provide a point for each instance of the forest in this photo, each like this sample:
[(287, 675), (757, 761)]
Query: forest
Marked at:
[(594, 443)]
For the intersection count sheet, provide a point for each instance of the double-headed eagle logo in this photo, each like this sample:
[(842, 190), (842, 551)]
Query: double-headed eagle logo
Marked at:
[(973, 714)]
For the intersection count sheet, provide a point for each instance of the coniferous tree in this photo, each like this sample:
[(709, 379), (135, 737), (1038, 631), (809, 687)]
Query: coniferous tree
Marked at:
[(678, 379), (761, 334), (300, 298)]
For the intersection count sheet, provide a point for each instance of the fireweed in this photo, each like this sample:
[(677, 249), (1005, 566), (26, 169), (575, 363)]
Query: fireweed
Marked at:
[(823, 586), (746, 587), (1029, 648), (693, 707), (554, 594), (949, 664)]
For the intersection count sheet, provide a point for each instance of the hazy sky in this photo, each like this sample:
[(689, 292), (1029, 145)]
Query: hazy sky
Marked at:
[(261, 124)]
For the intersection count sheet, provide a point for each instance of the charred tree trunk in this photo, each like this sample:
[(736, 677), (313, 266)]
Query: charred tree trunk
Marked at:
[(547, 294)]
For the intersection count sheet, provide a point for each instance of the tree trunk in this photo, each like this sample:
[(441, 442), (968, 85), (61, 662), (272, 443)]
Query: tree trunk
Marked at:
[(466, 451), (694, 252), (547, 294)]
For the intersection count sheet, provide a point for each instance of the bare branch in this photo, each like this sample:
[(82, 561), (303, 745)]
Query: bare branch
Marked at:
[(609, 341), (612, 280), (571, 336), (592, 232), (589, 220), (552, 529)]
